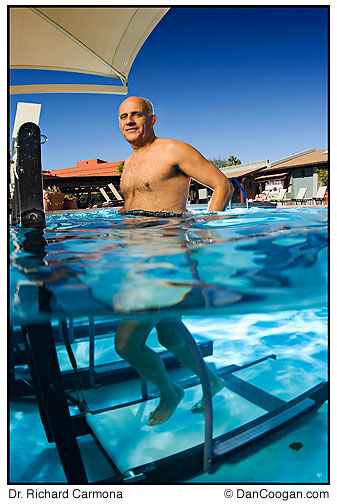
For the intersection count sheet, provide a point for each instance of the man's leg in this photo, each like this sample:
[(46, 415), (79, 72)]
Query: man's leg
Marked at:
[(130, 345), (170, 337)]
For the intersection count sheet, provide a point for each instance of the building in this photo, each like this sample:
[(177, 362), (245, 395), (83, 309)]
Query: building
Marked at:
[(87, 177), (291, 173), (245, 174), (296, 171)]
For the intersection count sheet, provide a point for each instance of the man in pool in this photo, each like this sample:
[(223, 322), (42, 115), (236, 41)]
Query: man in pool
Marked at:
[(156, 178)]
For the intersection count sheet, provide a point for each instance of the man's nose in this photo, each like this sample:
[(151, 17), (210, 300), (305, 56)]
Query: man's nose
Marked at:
[(130, 120)]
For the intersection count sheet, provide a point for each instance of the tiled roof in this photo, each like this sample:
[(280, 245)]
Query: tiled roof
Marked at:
[(312, 158), (46, 173), (266, 175), (89, 168), (239, 173)]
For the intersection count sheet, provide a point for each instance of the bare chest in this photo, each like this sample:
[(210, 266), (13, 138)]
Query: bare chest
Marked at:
[(146, 175)]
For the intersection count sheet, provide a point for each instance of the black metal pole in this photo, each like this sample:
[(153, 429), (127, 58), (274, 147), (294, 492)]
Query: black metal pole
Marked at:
[(28, 183), (50, 388)]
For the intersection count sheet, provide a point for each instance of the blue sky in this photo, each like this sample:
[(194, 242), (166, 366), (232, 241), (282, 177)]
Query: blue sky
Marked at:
[(252, 82)]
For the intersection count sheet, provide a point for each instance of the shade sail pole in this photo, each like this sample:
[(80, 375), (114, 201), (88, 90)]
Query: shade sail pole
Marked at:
[(68, 88)]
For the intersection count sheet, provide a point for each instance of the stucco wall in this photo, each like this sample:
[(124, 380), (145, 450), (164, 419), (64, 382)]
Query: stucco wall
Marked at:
[(303, 177), (309, 180)]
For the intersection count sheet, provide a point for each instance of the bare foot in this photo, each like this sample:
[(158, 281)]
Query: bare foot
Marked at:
[(166, 407), (215, 388)]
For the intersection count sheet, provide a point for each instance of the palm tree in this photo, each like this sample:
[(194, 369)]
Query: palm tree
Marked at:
[(232, 160)]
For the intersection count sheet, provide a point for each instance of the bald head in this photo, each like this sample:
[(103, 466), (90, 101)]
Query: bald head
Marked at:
[(136, 121), (147, 105)]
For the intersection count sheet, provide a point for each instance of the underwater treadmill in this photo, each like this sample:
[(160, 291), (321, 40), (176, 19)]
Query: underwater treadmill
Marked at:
[(175, 467), (165, 453)]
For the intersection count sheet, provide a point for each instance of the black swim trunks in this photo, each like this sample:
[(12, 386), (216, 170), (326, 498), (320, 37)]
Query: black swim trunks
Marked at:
[(146, 213)]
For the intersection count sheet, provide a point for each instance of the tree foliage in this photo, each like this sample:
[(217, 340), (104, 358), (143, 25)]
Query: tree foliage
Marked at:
[(220, 162), (232, 160), (120, 168), (323, 177)]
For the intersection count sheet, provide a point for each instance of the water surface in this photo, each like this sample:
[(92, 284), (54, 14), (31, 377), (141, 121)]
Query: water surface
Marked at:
[(103, 263)]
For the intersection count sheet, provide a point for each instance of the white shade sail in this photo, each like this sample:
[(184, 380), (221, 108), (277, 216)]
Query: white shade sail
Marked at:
[(89, 40)]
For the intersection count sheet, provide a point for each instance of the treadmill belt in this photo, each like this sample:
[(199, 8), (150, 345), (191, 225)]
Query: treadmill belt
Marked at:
[(129, 442)]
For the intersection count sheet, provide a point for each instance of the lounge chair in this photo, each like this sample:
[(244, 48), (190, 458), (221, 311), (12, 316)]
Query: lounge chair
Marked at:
[(300, 196), (263, 196), (320, 194), (108, 201), (115, 192), (279, 197)]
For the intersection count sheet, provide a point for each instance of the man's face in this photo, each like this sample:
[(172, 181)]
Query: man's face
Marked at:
[(135, 122)]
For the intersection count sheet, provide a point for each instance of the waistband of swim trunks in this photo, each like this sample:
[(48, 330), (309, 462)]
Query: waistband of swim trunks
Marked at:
[(146, 213)]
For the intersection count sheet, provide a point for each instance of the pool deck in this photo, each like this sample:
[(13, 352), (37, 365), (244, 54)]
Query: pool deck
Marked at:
[(302, 206)]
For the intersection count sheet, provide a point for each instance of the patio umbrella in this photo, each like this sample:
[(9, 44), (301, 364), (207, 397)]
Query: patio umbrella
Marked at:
[(88, 40)]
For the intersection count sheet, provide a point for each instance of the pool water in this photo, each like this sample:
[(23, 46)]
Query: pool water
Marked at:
[(105, 263), (252, 281)]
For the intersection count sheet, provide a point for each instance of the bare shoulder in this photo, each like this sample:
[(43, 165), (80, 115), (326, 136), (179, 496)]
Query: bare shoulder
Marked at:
[(127, 160), (177, 148)]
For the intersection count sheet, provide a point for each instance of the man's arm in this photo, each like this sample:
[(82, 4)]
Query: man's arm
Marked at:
[(222, 193), (193, 164)]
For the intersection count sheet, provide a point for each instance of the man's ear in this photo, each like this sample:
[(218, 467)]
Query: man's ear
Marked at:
[(154, 118)]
